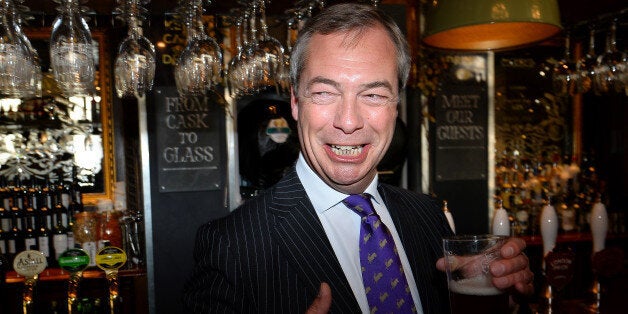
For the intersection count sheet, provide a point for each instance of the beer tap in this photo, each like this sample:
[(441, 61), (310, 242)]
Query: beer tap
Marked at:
[(74, 261), (599, 227), (30, 264), (549, 232), (110, 259)]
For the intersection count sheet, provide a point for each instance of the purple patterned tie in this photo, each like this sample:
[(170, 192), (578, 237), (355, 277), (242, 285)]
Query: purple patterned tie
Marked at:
[(386, 286)]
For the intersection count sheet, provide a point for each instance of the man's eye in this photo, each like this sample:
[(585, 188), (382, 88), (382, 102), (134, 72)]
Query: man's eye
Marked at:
[(324, 97), (375, 99)]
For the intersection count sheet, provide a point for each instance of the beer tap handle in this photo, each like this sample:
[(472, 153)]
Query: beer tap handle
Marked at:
[(449, 216), (549, 228), (30, 264), (599, 225)]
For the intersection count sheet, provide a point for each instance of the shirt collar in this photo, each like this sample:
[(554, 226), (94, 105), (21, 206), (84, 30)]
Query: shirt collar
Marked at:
[(322, 196)]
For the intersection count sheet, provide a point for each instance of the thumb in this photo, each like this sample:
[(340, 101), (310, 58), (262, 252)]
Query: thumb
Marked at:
[(453, 262), (440, 264), (322, 302)]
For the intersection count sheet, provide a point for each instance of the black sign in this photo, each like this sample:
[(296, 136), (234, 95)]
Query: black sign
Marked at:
[(188, 142), (461, 133)]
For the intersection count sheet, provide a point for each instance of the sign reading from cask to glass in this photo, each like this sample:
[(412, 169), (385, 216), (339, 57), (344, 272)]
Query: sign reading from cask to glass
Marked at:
[(189, 131)]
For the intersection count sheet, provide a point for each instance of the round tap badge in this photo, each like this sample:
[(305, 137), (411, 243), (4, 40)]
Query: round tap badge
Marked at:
[(110, 258), (29, 263), (74, 260), (278, 130)]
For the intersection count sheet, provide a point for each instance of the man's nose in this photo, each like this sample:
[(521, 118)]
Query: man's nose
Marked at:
[(348, 116)]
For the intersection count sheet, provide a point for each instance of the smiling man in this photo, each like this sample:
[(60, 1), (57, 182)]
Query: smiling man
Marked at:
[(305, 243)]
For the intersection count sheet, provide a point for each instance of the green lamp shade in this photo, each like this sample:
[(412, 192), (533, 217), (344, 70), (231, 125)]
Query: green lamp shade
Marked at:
[(489, 24)]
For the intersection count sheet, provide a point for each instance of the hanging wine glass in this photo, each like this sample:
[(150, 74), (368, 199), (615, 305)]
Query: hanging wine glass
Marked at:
[(273, 60), (246, 69), (20, 74), (563, 74), (585, 67), (72, 50), (234, 75), (199, 66), (609, 71), (34, 75), (134, 68), (254, 58)]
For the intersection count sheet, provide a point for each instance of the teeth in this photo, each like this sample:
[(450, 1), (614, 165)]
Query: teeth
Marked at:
[(346, 150)]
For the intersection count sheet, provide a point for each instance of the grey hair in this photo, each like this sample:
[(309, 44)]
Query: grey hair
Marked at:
[(352, 19)]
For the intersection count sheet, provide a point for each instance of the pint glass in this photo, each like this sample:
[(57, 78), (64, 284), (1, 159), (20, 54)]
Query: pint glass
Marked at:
[(467, 264)]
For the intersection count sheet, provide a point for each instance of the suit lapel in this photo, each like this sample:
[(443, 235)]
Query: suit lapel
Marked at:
[(303, 241), (416, 246)]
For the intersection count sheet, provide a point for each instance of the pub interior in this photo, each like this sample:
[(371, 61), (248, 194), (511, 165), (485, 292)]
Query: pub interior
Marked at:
[(522, 134)]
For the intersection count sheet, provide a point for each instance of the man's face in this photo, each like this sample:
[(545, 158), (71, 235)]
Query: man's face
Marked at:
[(346, 107)]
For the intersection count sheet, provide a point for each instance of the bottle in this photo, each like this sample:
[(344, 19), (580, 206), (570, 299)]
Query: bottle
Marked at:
[(76, 197), (4, 268), (30, 235), (86, 233), (44, 234), (74, 207), (17, 194), (64, 191), (110, 229), (59, 231), (5, 215), (15, 239), (3, 241), (61, 212), (45, 208)]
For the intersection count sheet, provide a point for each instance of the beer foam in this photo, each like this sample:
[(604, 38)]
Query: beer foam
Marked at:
[(480, 286)]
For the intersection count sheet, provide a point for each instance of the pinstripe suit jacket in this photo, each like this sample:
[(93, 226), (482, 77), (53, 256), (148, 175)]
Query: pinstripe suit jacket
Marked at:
[(271, 254)]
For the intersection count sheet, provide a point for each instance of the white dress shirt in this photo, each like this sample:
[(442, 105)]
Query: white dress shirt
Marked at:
[(342, 227)]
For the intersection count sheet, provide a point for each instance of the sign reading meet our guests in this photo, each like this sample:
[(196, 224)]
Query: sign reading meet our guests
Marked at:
[(460, 112), (188, 142)]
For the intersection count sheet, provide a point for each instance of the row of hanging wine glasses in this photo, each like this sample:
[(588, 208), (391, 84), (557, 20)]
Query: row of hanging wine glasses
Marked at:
[(71, 52), (260, 61), (600, 74)]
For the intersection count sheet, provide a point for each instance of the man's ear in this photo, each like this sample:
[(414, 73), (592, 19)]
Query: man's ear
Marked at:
[(294, 104)]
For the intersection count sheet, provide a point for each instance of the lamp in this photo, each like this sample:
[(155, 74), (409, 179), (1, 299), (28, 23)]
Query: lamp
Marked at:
[(489, 24)]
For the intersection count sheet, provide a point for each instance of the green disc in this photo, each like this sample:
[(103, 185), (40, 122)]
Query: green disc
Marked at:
[(74, 260)]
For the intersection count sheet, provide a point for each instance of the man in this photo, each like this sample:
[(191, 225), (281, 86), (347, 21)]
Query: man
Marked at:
[(299, 241)]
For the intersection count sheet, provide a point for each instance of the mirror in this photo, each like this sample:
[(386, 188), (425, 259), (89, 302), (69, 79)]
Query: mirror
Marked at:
[(52, 136)]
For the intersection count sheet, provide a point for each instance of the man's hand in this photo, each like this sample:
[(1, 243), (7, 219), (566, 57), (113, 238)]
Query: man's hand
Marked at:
[(322, 302), (513, 270)]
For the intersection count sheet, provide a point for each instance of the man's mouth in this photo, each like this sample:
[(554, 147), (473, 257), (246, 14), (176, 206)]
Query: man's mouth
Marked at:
[(347, 150)]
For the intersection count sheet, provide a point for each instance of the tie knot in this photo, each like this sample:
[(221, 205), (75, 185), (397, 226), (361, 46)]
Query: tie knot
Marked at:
[(360, 203)]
